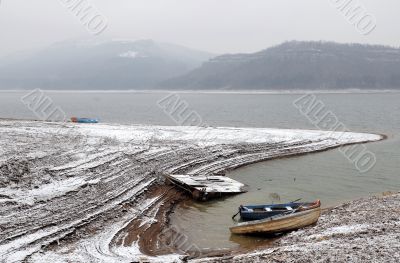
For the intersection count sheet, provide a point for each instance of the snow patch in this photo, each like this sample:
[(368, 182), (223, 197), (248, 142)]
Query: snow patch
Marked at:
[(220, 135), (46, 191), (340, 230), (101, 248), (129, 54)]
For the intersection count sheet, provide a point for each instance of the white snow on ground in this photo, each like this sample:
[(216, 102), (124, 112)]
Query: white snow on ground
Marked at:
[(203, 135), (123, 150), (9, 252), (219, 135), (86, 162), (102, 248), (46, 191), (128, 54), (341, 230)]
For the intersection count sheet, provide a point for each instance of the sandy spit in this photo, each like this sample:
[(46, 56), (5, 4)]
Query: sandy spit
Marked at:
[(95, 193)]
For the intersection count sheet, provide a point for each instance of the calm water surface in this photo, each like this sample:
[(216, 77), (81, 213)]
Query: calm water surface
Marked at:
[(327, 175)]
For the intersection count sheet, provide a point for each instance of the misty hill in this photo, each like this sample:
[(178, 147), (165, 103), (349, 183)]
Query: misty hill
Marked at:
[(299, 65), (99, 65)]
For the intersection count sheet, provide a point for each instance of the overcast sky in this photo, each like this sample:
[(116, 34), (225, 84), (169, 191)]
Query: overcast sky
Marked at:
[(218, 26)]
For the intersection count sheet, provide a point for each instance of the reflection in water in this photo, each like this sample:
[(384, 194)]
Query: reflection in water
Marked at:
[(274, 197), (252, 242)]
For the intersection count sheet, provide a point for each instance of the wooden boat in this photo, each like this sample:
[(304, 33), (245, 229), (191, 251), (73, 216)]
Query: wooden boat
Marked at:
[(205, 187), (279, 223), (258, 212), (84, 120)]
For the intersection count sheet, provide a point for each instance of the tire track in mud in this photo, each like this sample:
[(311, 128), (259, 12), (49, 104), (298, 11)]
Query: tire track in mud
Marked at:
[(111, 174)]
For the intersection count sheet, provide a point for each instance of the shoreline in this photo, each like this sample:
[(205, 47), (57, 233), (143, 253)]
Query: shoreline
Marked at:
[(225, 254), (243, 92), (348, 232), (271, 242), (88, 195)]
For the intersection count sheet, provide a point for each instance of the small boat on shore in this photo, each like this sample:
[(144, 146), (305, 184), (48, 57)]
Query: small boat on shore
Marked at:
[(84, 120), (205, 187), (258, 212), (279, 223)]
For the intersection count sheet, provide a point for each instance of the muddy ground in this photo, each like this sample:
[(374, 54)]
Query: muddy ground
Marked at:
[(96, 193)]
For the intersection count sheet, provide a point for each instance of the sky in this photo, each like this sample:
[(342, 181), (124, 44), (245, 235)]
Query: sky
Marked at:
[(217, 26)]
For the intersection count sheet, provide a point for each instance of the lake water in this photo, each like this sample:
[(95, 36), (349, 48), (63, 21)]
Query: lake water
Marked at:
[(328, 176)]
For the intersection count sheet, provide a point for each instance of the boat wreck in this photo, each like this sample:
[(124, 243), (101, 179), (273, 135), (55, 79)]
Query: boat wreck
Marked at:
[(205, 187)]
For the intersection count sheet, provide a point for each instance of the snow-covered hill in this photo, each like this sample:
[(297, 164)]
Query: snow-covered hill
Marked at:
[(105, 64)]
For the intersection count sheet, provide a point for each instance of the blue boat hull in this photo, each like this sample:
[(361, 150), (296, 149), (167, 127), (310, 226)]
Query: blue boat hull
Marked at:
[(258, 212), (84, 120), (249, 216)]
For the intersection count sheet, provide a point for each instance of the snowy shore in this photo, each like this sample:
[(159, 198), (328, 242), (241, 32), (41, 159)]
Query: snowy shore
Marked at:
[(71, 192), (365, 230)]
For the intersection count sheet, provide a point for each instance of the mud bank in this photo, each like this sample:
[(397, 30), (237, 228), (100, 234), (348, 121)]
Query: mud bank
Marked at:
[(365, 230), (94, 193)]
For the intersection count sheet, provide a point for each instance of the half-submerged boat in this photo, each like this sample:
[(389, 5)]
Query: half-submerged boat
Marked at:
[(279, 223), (258, 212), (84, 120)]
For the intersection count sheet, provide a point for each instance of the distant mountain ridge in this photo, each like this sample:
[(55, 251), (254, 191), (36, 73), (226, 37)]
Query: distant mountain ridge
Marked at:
[(146, 64), (117, 64), (298, 65)]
